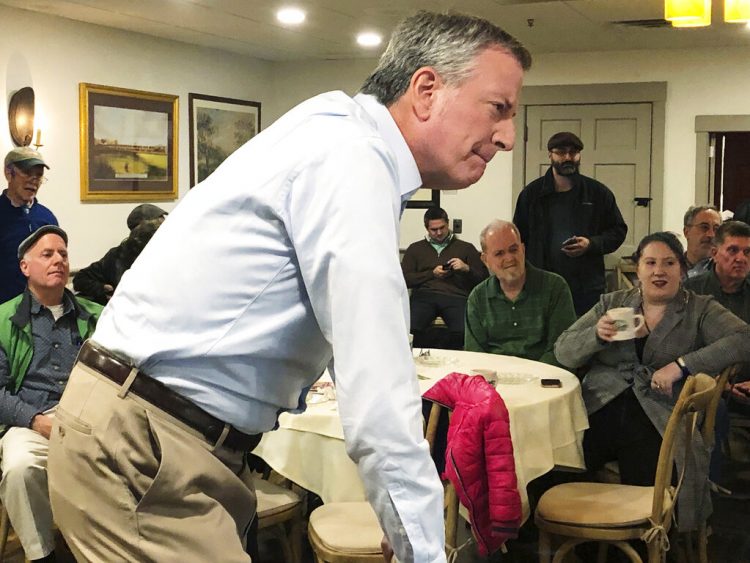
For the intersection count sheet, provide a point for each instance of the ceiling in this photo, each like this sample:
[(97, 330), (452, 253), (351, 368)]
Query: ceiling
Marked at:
[(249, 27)]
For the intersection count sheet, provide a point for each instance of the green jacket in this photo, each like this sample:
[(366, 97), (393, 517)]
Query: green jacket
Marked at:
[(15, 331)]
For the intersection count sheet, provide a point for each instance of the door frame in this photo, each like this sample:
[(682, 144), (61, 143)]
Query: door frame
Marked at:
[(654, 93), (704, 126)]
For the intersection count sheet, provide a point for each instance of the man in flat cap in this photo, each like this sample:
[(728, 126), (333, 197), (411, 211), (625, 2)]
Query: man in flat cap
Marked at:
[(98, 280), (20, 214), (569, 221), (41, 331)]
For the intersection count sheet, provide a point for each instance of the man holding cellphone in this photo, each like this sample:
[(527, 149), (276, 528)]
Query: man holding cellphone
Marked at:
[(569, 221), (441, 271)]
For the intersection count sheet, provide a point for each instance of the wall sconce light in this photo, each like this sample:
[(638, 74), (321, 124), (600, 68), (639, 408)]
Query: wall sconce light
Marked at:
[(21, 116)]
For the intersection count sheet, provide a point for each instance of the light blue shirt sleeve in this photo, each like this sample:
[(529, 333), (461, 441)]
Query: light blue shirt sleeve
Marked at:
[(344, 226)]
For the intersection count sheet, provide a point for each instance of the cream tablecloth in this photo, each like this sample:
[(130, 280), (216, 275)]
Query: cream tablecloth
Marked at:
[(546, 425)]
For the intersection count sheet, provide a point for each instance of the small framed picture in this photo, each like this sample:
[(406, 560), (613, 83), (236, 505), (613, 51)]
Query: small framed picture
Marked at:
[(218, 127)]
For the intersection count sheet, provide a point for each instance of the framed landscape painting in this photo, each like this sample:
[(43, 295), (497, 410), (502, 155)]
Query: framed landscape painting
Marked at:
[(218, 127), (128, 144)]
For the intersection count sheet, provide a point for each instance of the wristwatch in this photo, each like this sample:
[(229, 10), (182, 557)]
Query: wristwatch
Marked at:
[(683, 368)]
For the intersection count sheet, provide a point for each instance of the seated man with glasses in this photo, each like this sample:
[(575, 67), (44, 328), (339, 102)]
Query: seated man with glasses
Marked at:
[(20, 214), (700, 225), (569, 221)]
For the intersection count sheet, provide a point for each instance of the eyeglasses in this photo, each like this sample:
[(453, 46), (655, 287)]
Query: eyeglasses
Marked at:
[(705, 227), (36, 178), (570, 152)]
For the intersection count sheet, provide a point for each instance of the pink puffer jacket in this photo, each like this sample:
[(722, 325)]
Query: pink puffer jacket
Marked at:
[(479, 457)]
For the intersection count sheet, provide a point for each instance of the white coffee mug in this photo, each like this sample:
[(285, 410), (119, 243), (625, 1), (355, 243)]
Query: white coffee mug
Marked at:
[(627, 322)]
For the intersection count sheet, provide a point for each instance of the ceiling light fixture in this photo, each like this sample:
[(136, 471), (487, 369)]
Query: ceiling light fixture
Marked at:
[(697, 13), (688, 13), (369, 39), (291, 16), (737, 11)]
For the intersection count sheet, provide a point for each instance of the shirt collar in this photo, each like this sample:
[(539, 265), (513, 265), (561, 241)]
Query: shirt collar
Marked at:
[(532, 284), (409, 178), (36, 307), (715, 284)]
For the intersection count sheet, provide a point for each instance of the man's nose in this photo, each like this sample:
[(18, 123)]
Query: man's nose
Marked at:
[(504, 136)]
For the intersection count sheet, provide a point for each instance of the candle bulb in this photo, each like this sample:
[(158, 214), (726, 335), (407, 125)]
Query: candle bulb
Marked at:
[(38, 138)]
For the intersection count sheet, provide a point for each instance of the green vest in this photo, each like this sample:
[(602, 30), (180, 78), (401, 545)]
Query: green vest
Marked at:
[(15, 331)]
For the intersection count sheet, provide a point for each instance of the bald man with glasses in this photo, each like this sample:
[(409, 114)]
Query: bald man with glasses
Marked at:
[(20, 214)]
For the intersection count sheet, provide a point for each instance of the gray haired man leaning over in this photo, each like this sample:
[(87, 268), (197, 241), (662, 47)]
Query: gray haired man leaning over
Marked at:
[(184, 368)]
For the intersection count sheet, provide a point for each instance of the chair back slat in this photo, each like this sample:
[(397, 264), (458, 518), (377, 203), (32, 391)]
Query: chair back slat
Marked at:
[(727, 375), (695, 398), (450, 497)]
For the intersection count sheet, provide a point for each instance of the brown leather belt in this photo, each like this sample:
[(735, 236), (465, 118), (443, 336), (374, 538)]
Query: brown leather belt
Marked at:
[(165, 399)]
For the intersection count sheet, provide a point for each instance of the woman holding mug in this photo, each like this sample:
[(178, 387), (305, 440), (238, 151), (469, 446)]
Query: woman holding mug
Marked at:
[(631, 385)]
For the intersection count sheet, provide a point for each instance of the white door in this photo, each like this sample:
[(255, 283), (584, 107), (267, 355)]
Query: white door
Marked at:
[(617, 152)]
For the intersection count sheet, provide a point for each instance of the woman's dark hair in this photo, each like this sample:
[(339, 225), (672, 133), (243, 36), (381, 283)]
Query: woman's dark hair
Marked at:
[(672, 242)]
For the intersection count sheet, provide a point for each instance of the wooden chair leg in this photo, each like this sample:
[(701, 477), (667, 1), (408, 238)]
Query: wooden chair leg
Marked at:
[(703, 544), (601, 556), (4, 531), (545, 547)]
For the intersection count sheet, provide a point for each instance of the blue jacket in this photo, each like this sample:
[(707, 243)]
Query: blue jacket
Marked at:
[(16, 223)]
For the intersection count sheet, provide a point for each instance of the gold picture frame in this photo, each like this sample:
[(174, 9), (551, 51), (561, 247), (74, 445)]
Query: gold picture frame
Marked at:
[(128, 141)]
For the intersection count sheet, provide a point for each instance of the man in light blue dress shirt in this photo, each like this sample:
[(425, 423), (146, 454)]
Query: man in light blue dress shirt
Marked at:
[(282, 262)]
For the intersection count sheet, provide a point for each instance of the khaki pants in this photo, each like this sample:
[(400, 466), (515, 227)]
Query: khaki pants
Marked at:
[(130, 483), (23, 490)]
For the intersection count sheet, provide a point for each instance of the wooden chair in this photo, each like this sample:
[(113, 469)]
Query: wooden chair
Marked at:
[(280, 512), (349, 532), (614, 514)]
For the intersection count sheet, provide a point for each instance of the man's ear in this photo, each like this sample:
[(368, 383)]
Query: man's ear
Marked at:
[(24, 266), (424, 85), (483, 256), (714, 250)]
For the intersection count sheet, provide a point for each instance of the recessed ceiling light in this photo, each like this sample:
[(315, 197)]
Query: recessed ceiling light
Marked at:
[(291, 16), (369, 39)]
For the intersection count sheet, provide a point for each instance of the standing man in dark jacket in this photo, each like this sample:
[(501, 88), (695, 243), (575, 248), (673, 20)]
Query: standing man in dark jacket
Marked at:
[(569, 221), (441, 271)]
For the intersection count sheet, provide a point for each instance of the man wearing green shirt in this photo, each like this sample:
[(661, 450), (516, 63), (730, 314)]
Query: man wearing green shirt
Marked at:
[(519, 310)]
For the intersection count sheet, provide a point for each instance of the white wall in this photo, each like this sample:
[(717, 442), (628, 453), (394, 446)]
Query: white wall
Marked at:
[(53, 55)]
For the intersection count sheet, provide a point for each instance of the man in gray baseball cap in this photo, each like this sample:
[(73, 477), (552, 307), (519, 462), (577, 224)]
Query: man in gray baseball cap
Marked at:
[(20, 214)]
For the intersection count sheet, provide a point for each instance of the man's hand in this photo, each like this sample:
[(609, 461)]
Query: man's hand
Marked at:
[(385, 545), (663, 378), (741, 392), (108, 291), (578, 248), (438, 272), (42, 424), (458, 264)]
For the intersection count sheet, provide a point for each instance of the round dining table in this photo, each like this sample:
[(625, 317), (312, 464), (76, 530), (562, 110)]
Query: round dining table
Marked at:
[(546, 423)]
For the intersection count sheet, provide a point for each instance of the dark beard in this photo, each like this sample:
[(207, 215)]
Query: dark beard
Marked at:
[(566, 168)]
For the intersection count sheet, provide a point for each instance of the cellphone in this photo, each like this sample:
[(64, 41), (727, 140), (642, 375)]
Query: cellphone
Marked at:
[(554, 383), (447, 266), (568, 242)]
